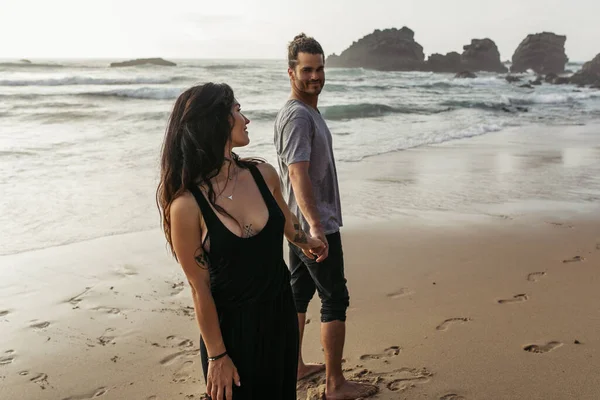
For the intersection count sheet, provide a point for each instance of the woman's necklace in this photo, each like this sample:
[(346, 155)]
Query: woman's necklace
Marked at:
[(229, 178)]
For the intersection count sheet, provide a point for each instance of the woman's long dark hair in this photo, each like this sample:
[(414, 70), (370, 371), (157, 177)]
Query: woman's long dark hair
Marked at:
[(193, 150)]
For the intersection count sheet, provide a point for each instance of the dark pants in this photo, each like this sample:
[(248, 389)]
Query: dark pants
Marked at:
[(327, 278)]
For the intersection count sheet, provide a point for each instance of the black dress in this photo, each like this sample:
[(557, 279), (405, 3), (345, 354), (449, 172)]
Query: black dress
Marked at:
[(250, 284)]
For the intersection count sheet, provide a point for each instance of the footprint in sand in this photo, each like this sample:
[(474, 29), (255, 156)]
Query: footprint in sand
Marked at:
[(399, 293), (170, 359), (89, 396), (40, 325), (452, 396), (516, 299), (389, 352), (535, 348), (126, 270), (535, 276), (176, 288), (8, 358), (75, 300), (175, 341), (42, 380), (183, 373), (451, 321), (406, 378), (574, 259), (560, 224), (107, 310), (106, 339)]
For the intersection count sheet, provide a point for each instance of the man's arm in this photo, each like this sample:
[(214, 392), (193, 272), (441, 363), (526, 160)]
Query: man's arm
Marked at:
[(302, 186)]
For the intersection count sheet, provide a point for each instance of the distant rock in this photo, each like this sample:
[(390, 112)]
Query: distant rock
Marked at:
[(527, 86), (595, 86), (450, 62), (544, 53), (562, 80), (385, 50), (144, 61), (482, 55), (24, 61), (537, 82), (550, 77), (589, 74), (479, 55), (465, 75), (512, 79)]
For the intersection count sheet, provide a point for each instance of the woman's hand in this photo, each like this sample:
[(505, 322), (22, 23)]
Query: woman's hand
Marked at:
[(315, 248), (222, 374)]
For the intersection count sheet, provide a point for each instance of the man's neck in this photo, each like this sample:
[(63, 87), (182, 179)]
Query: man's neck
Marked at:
[(311, 101)]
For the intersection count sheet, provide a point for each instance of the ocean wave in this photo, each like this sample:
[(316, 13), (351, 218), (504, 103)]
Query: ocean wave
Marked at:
[(64, 116), (139, 93), (47, 104), (461, 83), (29, 65), (83, 80), (553, 98), (341, 87), (16, 153), (217, 67), (372, 110), (428, 139), (481, 105), (261, 115)]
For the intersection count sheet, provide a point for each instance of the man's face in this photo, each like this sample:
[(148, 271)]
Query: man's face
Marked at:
[(309, 75)]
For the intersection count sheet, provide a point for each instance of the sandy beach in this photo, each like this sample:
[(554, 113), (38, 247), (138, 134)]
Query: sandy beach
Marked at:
[(475, 276)]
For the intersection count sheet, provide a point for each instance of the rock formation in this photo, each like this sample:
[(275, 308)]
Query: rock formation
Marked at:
[(387, 50), (450, 62), (589, 74), (482, 55), (544, 53), (144, 61)]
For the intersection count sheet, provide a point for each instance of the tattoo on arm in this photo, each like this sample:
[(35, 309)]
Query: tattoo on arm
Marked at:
[(300, 235), (248, 231), (201, 258)]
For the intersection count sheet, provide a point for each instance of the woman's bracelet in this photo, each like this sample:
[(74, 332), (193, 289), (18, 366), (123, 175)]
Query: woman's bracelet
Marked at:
[(217, 357)]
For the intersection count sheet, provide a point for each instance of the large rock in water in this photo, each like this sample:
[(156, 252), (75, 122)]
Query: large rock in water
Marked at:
[(544, 53), (482, 55), (450, 62), (589, 74), (387, 50), (144, 61)]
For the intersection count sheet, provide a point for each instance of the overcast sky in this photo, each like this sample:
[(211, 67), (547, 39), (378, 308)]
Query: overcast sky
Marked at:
[(262, 28)]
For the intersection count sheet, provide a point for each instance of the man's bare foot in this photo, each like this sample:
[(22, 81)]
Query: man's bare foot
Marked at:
[(306, 370), (351, 390)]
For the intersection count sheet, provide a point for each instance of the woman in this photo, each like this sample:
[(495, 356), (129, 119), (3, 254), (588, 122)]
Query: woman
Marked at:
[(224, 219)]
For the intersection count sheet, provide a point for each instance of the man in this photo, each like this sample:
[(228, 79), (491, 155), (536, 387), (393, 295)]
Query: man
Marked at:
[(309, 182)]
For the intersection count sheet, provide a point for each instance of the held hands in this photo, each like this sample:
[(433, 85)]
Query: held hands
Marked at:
[(316, 245), (222, 374)]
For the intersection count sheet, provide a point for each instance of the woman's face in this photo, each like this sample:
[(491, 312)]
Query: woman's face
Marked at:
[(239, 131)]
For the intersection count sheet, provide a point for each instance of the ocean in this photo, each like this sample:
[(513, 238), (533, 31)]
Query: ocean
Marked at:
[(80, 142)]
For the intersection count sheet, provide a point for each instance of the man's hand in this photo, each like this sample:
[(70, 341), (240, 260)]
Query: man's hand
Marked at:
[(318, 233)]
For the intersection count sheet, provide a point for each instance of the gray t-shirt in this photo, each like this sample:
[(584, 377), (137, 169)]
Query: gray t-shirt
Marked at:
[(301, 134)]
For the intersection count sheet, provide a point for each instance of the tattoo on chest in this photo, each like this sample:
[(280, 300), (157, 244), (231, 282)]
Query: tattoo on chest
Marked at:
[(248, 231), (201, 258), (300, 235)]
